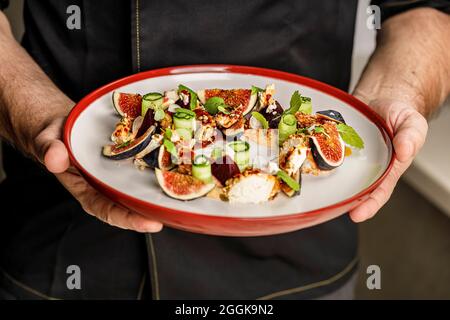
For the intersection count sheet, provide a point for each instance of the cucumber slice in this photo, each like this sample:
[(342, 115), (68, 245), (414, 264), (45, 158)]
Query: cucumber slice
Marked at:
[(286, 127), (185, 134), (183, 121), (241, 153), (201, 169), (152, 100)]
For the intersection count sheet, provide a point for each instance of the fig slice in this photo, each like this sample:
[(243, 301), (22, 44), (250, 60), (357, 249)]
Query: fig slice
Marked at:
[(127, 104), (327, 148), (182, 186), (235, 98), (332, 115), (273, 113), (130, 149)]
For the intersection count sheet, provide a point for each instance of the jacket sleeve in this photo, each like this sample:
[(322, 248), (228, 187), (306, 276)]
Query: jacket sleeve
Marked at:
[(4, 4)]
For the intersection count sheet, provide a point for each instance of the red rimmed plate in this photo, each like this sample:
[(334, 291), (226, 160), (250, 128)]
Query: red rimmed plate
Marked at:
[(92, 120)]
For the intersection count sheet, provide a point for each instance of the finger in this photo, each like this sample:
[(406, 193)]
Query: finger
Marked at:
[(56, 158), (104, 209), (51, 150), (117, 216), (380, 195), (410, 135)]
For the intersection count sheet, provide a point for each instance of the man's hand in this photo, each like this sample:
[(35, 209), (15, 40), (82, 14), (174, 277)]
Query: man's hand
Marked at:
[(410, 129), (32, 114), (406, 79), (53, 154)]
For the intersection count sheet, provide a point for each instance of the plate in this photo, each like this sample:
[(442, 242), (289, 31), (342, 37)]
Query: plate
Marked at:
[(90, 123)]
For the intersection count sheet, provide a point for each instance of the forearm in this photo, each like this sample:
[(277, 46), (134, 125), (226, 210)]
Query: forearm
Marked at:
[(411, 62), (28, 98)]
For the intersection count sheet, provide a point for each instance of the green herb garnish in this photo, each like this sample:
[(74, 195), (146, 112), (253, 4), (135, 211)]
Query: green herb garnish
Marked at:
[(295, 103), (294, 185), (223, 109), (212, 104), (123, 145), (258, 116), (183, 111), (168, 134), (192, 94), (256, 89), (170, 147), (299, 104), (350, 136)]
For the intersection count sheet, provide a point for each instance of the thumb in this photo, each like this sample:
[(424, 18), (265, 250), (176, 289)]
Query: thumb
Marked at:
[(56, 157), (409, 135), (51, 150)]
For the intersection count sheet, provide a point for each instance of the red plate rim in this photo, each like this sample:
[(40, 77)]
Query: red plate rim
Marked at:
[(224, 68)]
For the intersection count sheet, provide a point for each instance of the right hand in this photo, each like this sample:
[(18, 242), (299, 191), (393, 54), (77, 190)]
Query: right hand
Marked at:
[(53, 154)]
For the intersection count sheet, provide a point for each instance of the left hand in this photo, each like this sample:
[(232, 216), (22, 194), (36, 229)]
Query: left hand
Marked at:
[(410, 129)]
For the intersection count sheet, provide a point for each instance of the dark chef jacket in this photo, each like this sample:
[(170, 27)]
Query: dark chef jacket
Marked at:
[(44, 230)]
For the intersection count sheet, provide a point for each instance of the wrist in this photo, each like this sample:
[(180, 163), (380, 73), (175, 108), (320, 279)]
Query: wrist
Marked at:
[(383, 94)]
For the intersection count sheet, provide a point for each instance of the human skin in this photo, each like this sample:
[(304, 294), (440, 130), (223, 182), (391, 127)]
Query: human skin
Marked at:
[(406, 79)]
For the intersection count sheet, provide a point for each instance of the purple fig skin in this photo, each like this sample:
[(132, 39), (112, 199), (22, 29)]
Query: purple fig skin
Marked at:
[(224, 169), (273, 116), (149, 120)]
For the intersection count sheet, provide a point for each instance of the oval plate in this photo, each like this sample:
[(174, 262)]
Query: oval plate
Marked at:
[(90, 123)]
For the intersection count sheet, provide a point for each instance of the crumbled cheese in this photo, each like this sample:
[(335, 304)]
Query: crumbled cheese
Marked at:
[(273, 168), (173, 107)]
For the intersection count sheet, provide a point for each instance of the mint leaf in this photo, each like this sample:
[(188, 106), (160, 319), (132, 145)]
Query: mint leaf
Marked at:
[(258, 116), (294, 185), (350, 136), (294, 105)]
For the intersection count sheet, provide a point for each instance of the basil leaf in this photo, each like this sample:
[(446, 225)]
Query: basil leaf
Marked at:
[(192, 94), (258, 116), (350, 136), (212, 104), (294, 185)]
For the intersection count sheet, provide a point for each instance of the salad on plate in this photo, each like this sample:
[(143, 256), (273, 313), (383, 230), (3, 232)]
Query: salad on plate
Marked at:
[(236, 145)]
